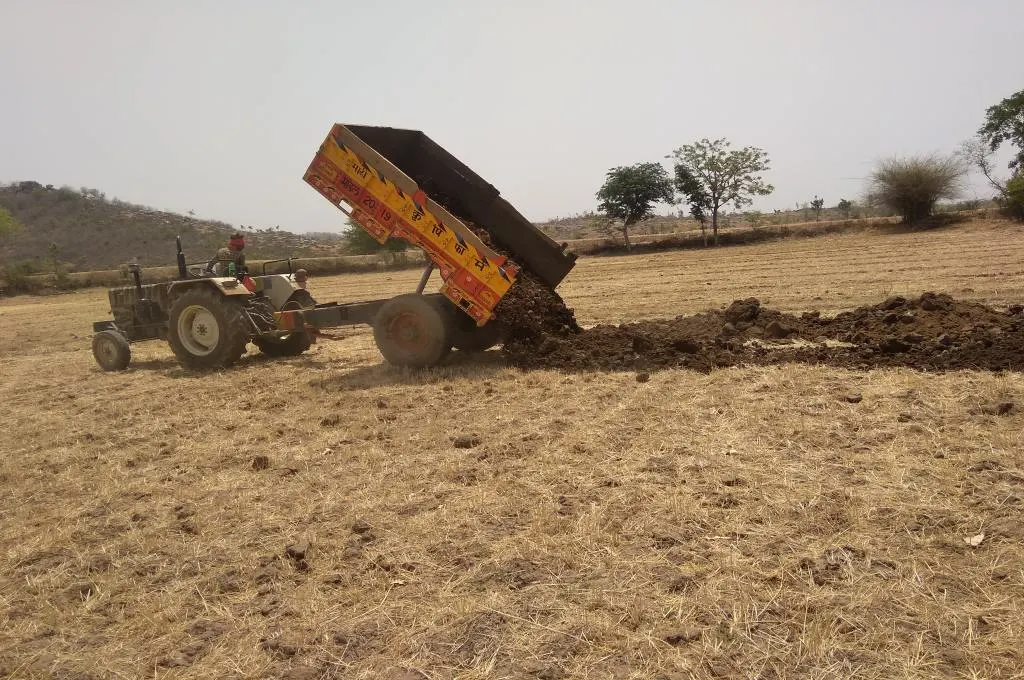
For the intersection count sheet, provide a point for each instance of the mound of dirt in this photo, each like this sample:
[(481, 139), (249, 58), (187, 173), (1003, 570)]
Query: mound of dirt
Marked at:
[(932, 332)]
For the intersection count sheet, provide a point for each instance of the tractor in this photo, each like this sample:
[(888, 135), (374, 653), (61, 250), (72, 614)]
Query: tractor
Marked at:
[(208, 320)]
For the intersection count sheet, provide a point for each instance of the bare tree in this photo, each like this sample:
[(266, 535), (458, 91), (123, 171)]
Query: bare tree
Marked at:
[(979, 154)]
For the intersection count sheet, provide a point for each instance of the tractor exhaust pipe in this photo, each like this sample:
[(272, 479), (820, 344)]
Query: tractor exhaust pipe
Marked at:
[(182, 271), (137, 276)]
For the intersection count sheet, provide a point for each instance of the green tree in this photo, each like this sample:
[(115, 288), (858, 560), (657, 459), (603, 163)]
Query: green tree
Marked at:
[(1013, 200), (693, 194), (844, 207), (54, 250), (912, 186), (358, 241), (1004, 122), (61, 280), (726, 175), (630, 192), (816, 205)]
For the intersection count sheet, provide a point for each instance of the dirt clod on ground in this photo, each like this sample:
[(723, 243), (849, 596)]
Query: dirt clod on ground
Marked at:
[(466, 441), (999, 409), (930, 332), (298, 550)]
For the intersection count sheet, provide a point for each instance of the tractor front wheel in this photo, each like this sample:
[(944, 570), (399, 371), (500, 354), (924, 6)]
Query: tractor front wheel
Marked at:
[(294, 343), (207, 329), (111, 350), (410, 331)]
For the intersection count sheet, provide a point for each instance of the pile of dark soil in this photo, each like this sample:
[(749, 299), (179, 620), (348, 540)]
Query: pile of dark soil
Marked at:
[(530, 311), (932, 332)]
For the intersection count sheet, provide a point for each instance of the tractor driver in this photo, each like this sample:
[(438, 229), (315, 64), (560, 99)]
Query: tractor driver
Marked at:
[(231, 260)]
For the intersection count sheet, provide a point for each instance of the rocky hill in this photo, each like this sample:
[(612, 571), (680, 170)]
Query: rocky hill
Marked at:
[(84, 230)]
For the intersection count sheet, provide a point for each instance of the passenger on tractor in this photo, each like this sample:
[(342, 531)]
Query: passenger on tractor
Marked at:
[(229, 261)]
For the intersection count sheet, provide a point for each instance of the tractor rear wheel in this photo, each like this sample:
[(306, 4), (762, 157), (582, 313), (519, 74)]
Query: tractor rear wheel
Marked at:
[(411, 331), (292, 344), (207, 329), (111, 350)]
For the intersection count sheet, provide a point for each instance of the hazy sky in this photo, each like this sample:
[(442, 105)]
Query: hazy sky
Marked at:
[(219, 106)]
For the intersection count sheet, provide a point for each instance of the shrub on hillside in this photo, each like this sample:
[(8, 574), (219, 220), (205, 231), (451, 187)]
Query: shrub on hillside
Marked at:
[(17, 278), (912, 186)]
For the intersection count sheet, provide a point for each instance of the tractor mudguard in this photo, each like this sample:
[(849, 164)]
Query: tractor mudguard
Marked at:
[(278, 287), (228, 285)]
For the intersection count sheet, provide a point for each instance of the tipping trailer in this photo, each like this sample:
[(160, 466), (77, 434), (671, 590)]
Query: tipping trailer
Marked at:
[(398, 183)]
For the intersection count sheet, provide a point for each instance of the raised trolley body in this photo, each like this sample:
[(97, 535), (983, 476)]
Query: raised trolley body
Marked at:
[(398, 183)]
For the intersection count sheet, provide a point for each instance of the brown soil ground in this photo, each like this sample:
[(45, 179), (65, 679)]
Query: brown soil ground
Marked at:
[(329, 516), (533, 312)]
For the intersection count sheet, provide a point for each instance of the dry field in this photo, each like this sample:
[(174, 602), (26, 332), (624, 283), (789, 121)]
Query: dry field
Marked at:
[(331, 517)]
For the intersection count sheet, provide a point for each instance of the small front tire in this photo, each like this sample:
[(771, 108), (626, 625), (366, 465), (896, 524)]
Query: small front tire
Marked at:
[(290, 345), (294, 343), (463, 332), (111, 350)]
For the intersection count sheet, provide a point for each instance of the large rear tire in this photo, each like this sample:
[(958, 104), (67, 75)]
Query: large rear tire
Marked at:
[(207, 329), (292, 344), (411, 331), (111, 350)]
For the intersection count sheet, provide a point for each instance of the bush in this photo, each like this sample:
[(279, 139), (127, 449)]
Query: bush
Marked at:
[(912, 186), (16, 278), (1013, 203), (61, 280)]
